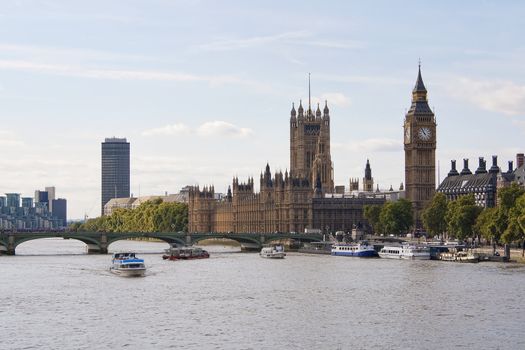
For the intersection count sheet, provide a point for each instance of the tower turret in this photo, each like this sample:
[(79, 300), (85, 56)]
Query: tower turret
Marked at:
[(368, 181), (300, 110), (326, 111)]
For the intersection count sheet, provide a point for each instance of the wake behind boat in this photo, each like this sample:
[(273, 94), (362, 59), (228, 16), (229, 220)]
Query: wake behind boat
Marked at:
[(127, 264), (273, 252), (361, 250), (405, 251)]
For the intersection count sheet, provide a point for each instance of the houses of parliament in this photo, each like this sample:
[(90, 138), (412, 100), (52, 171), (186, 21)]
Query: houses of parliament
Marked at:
[(305, 197)]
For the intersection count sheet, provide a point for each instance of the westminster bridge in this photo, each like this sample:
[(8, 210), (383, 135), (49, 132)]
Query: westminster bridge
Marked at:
[(98, 242)]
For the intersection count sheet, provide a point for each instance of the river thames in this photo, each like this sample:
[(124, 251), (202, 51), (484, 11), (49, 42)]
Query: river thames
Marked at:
[(54, 296)]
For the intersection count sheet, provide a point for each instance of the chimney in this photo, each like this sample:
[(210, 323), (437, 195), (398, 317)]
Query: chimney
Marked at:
[(482, 168), (466, 170), (453, 171), (494, 168), (511, 167), (520, 160)]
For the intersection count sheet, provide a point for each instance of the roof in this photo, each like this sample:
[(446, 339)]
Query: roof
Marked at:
[(419, 82), (117, 202), (468, 183)]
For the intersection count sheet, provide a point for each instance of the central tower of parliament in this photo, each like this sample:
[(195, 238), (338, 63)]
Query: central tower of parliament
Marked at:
[(289, 202)]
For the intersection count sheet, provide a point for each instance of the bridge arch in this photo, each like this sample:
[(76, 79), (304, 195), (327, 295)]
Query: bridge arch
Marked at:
[(88, 241), (246, 242)]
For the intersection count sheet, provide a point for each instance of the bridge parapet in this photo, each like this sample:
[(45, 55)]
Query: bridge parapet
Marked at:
[(98, 242)]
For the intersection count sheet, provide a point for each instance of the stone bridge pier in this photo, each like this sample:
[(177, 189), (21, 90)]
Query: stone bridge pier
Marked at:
[(101, 248)]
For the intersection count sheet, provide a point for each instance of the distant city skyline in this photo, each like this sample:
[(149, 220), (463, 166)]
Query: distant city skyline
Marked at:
[(203, 90)]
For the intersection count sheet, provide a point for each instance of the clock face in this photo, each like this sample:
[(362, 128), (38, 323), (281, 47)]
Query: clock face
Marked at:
[(407, 134), (424, 134)]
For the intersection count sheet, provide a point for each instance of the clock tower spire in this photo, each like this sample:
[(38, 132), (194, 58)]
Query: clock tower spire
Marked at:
[(420, 150)]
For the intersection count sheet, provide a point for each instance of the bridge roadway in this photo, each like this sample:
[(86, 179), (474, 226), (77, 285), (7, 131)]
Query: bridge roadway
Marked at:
[(98, 242)]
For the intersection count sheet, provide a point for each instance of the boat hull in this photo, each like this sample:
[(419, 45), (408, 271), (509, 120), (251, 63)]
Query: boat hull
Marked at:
[(172, 257), (129, 272), (404, 257), (279, 255), (357, 254)]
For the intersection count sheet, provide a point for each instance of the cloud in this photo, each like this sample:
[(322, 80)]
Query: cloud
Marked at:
[(56, 54), (371, 145), (212, 128), (222, 128), (123, 74), (299, 38), (336, 98), (504, 97), (170, 129), (234, 44), (364, 79)]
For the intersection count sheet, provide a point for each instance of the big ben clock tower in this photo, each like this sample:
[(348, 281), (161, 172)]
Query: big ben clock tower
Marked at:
[(420, 150)]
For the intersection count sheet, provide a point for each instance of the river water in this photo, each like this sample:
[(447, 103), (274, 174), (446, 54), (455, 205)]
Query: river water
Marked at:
[(54, 296)]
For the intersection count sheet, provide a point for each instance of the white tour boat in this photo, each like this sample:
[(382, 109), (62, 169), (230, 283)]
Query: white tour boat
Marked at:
[(361, 250), (406, 251), (127, 264), (273, 252)]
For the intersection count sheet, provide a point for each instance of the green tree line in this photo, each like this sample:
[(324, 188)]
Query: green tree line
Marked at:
[(150, 216), (390, 218), (463, 219)]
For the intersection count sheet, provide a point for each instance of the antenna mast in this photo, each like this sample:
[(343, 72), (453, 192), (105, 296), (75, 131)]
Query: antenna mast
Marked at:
[(309, 95)]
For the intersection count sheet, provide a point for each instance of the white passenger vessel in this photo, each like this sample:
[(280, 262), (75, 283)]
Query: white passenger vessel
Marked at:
[(273, 252), (406, 251), (361, 250), (127, 264)]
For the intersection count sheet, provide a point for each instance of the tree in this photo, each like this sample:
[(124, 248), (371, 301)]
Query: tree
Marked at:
[(507, 197), (433, 215), (461, 217), (515, 231), (150, 216), (396, 217), (170, 217), (371, 214), (489, 223)]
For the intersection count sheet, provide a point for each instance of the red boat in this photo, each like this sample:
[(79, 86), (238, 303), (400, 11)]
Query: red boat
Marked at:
[(185, 253)]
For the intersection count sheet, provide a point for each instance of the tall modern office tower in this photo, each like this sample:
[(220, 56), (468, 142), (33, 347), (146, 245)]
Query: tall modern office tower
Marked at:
[(115, 169), (50, 196)]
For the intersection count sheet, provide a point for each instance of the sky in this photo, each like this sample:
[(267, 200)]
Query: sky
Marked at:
[(203, 89)]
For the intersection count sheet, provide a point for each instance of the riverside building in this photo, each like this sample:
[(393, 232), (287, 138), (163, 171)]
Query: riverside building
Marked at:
[(292, 201)]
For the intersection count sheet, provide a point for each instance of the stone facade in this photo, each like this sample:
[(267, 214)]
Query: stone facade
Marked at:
[(290, 202), (420, 150), (483, 183)]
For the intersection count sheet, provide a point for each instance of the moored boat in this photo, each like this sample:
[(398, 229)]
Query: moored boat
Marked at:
[(317, 248), (127, 264), (361, 250), (460, 256), (185, 253), (275, 251), (406, 251)]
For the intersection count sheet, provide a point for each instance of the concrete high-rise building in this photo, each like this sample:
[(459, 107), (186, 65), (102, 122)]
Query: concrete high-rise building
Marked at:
[(59, 210), (13, 200), (27, 202), (50, 196), (115, 170), (41, 197)]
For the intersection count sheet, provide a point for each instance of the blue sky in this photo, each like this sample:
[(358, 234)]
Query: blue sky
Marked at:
[(203, 89)]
